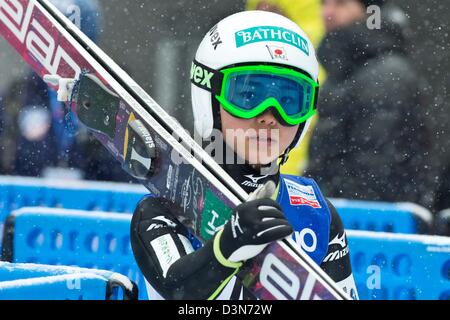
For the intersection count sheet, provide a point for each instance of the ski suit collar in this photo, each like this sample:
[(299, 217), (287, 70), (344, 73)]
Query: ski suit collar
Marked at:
[(247, 176)]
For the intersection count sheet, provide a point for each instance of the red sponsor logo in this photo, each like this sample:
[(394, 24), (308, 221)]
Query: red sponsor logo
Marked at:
[(298, 200)]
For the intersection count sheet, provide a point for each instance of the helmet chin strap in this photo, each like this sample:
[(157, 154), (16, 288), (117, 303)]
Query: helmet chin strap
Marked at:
[(285, 156)]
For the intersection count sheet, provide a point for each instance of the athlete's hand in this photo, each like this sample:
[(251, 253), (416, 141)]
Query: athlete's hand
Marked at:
[(252, 226)]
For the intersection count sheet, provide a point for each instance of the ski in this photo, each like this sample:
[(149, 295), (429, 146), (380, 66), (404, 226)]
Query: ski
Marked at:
[(151, 146)]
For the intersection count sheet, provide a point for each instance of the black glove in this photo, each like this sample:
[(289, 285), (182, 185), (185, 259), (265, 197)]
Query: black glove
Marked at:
[(253, 226)]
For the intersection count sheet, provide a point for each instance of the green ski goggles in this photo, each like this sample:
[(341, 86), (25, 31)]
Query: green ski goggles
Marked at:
[(248, 91)]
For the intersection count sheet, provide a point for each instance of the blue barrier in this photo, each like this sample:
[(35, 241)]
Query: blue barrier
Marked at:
[(390, 266), (400, 217), (101, 240), (55, 288), (43, 282), (87, 239), (18, 192), (408, 266)]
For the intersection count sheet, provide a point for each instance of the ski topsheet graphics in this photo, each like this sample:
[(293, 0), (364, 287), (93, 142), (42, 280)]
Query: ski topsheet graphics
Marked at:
[(152, 146)]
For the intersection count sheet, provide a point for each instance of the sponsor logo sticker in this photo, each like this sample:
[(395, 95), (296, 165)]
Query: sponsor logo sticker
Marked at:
[(277, 52), (201, 77), (302, 195), (214, 215), (270, 33), (215, 37), (166, 251)]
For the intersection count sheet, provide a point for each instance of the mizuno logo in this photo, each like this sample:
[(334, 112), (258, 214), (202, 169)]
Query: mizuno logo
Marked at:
[(339, 240), (154, 226), (338, 254), (254, 183), (165, 222), (256, 179)]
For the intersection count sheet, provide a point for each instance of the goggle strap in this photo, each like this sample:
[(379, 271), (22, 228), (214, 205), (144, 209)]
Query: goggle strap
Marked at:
[(316, 98), (206, 78)]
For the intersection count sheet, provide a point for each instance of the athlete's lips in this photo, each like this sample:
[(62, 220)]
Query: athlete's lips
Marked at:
[(263, 139)]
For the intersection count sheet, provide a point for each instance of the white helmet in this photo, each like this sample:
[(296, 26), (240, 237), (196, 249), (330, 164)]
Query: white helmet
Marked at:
[(248, 37)]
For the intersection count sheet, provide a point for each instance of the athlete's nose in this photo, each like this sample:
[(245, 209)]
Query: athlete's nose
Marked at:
[(267, 118)]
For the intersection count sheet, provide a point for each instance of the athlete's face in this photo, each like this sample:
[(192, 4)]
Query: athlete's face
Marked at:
[(259, 140)]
